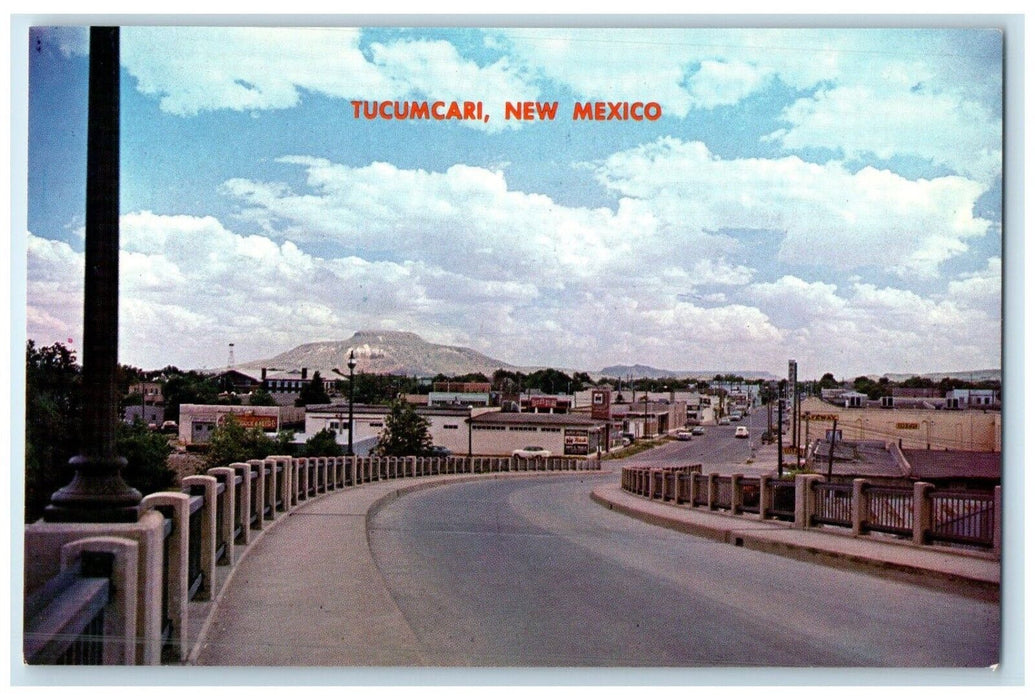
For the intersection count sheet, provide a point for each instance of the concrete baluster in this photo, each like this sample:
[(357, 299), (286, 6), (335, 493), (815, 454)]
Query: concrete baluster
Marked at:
[(225, 476), (860, 506), (176, 562), (923, 514), (207, 485)]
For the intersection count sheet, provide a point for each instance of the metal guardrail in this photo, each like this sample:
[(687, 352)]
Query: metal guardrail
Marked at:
[(889, 510), (953, 517), (962, 517), (780, 500), (832, 504)]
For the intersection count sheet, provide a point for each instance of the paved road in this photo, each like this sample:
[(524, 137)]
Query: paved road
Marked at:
[(717, 449), (531, 573)]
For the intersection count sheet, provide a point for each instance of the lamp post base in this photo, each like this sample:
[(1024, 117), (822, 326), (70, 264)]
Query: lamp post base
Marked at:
[(97, 494)]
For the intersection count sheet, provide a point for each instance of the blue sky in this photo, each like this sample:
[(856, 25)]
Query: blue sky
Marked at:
[(829, 195)]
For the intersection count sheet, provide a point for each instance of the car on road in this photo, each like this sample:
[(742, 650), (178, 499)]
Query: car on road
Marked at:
[(740, 432), (724, 421), (531, 452), (683, 435), (697, 430), (439, 451)]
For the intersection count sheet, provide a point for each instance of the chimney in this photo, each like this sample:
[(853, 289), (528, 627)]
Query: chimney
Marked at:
[(305, 372), (263, 374)]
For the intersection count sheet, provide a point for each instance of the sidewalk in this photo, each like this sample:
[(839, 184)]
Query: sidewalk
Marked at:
[(974, 574), (311, 594)]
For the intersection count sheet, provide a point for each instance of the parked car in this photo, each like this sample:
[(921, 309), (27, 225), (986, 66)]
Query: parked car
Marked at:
[(531, 452), (740, 432), (439, 451), (683, 435), (724, 421), (697, 430)]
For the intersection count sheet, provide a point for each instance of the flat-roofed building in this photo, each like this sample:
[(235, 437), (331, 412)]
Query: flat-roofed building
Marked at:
[(917, 425), (562, 434)]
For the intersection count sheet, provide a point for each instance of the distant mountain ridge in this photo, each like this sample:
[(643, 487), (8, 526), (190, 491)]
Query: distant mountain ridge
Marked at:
[(406, 353), (647, 372), (383, 352)]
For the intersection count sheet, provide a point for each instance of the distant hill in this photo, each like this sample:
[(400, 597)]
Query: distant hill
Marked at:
[(977, 375), (647, 372), (384, 352)]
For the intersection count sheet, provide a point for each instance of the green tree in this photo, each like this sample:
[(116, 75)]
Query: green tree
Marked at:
[(827, 381), (53, 430), (261, 396), (53, 422), (313, 392), (147, 457), (405, 432), (323, 444), (188, 387), (232, 442)]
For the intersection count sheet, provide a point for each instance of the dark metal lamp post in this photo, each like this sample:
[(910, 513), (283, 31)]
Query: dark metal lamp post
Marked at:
[(352, 395), (97, 492)]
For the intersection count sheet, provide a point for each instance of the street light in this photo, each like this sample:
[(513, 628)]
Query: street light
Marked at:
[(352, 394)]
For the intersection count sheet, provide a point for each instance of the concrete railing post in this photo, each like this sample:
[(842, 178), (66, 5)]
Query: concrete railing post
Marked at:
[(804, 501), (997, 527), (225, 476), (176, 564), (269, 469), (923, 521), (713, 490), (736, 495), (258, 493), (207, 485), (763, 496), (120, 614), (860, 506), (282, 476), (244, 512)]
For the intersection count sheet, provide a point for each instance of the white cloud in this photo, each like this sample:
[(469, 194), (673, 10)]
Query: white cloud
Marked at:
[(718, 83), (828, 215), (198, 69), (860, 121)]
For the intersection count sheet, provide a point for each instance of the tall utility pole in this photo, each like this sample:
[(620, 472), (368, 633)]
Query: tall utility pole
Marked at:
[(833, 439), (779, 429), (97, 492)]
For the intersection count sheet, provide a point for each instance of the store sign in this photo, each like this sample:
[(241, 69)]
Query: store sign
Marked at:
[(821, 416), (601, 405), (543, 402), (576, 442), (907, 426), (251, 420)]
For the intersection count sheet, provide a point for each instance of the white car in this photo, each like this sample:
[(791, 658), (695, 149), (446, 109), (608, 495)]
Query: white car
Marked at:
[(682, 435), (740, 432), (531, 452)]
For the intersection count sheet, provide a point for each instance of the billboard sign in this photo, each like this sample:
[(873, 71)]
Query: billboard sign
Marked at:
[(601, 409), (251, 420), (576, 442)]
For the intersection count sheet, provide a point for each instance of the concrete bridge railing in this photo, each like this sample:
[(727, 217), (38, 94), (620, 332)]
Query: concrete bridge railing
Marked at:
[(921, 513), (120, 593)]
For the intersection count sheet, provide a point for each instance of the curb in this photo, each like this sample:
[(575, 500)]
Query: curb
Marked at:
[(824, 548)]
